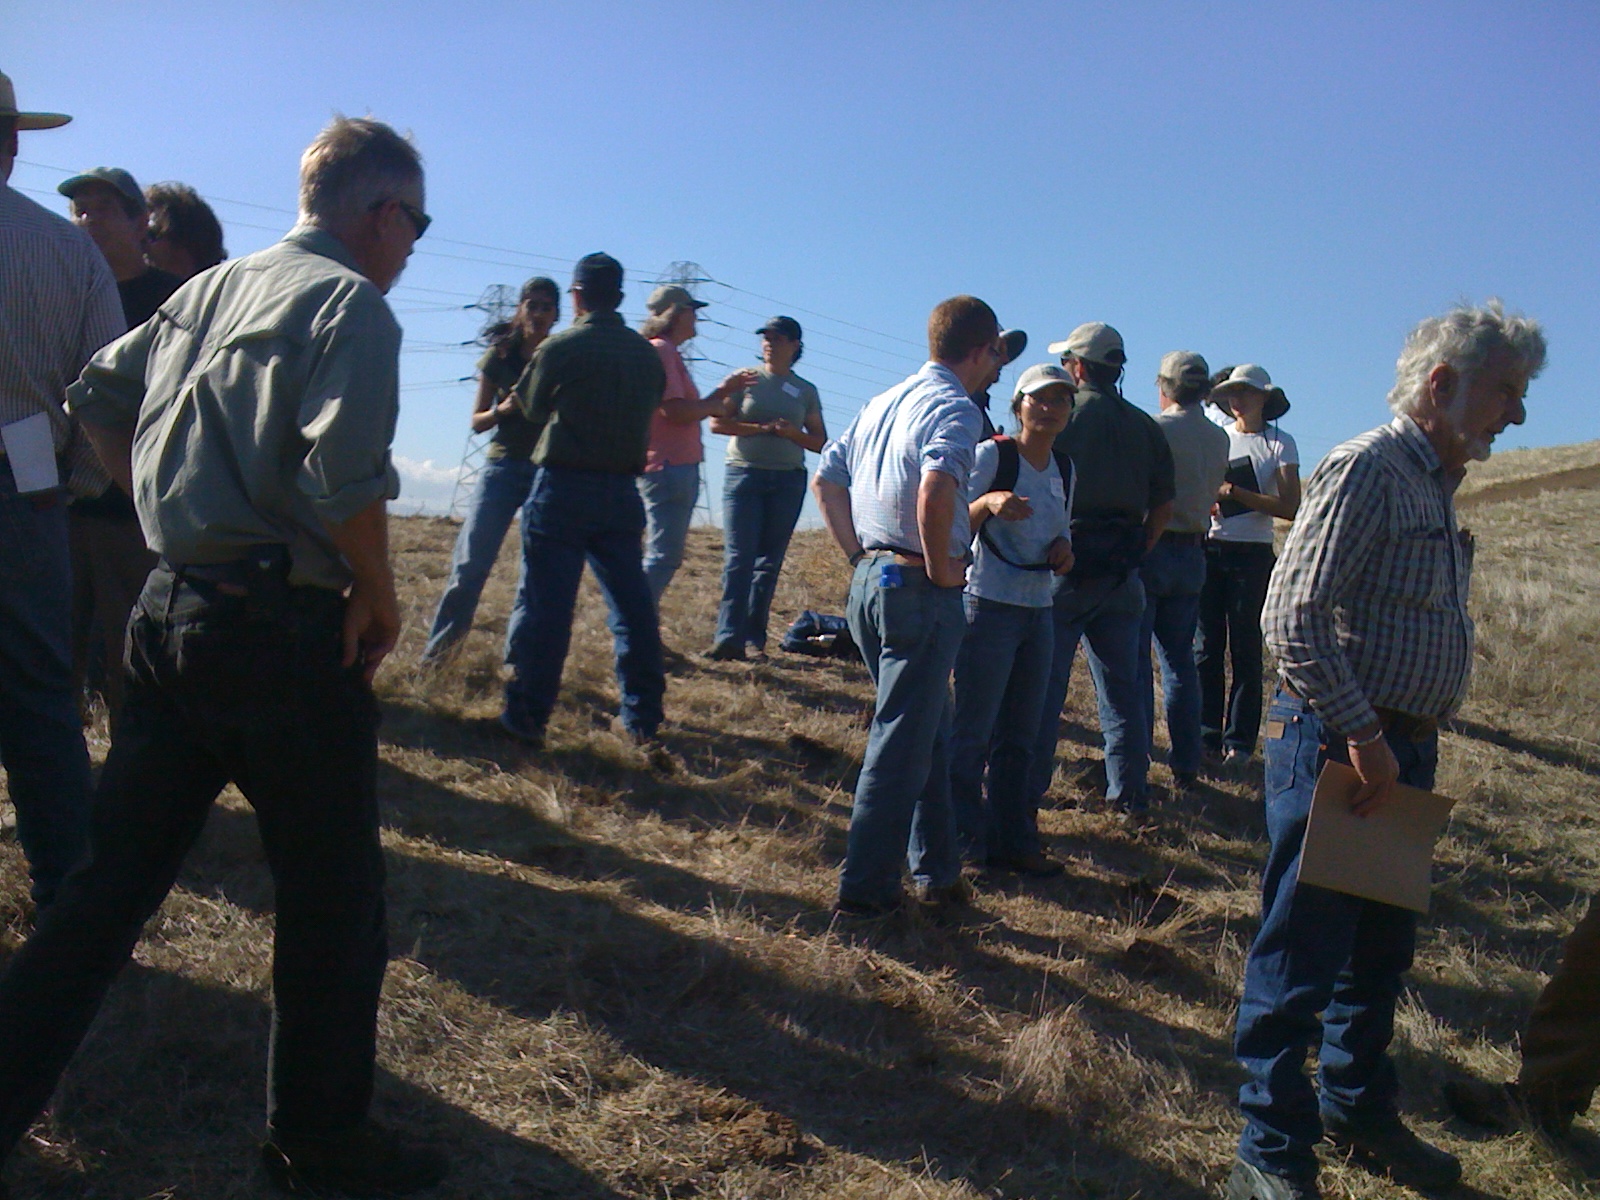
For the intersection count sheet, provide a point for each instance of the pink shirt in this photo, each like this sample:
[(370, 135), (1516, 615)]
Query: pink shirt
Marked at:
[(673, 444)]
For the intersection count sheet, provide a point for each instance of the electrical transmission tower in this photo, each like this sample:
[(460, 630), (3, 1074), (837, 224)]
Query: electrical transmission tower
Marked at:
[(498, 302)]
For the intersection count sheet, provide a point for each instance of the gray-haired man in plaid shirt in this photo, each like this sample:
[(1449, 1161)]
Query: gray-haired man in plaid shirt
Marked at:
[(1367, 617)]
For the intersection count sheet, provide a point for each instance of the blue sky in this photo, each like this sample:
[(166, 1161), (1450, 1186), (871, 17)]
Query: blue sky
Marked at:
[(1294, 185)]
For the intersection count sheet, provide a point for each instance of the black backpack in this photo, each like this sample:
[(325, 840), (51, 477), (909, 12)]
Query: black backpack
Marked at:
[(1005, 480)]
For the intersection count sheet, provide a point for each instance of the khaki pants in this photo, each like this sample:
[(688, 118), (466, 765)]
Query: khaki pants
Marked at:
[(1561, 1047)]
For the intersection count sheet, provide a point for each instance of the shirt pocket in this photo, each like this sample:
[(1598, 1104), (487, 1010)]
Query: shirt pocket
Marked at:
[(1421, 568)]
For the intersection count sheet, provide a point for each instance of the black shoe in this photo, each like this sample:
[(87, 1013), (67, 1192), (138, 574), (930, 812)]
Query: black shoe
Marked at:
[(529, 735), (1038, 864), (940, 902), (367, 1161), (1387, 1147), (857, 910), (725, 652), (1503, 1106), (1252, 1183)]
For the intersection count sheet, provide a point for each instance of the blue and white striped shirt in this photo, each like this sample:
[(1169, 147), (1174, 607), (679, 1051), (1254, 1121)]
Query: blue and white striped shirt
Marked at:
[(1368, 605), (927, 423), (58, 305)]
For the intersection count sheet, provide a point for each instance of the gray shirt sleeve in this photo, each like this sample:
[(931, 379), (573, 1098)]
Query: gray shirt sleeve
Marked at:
[(348, 413)]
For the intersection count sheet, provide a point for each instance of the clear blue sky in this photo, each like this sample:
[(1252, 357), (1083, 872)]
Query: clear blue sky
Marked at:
[(1293, 185)]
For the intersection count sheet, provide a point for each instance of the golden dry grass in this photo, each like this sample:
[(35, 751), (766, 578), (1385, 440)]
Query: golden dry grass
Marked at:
[(614, 974)]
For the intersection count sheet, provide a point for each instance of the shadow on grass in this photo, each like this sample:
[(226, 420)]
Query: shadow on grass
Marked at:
[(165, 1100), (1546, 752)]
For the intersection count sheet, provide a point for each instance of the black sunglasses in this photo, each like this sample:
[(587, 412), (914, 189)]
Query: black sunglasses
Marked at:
[(419, 219)]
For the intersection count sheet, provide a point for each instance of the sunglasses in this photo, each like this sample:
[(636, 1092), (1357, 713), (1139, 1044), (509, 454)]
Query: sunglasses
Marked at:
[(419, 219)]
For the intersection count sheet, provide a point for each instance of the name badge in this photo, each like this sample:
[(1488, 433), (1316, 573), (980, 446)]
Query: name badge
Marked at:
[(1057, 488), (790, 390)]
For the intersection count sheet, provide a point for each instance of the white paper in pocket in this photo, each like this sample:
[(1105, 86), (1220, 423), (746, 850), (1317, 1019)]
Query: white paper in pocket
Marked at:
[(30, 447)]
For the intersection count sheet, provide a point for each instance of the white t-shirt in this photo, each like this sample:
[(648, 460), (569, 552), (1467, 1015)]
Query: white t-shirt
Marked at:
[(1022, 541), (1267, 451)]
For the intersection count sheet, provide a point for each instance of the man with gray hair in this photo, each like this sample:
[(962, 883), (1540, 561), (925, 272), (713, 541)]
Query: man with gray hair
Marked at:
[(251, 420), (1367, 618), (58, 305)]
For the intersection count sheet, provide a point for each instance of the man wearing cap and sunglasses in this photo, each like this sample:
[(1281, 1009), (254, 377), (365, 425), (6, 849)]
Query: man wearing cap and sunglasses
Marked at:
[(1123, 502), (58, 305)]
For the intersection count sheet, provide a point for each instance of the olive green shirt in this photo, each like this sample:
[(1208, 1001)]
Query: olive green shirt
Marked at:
[(591, 390), (770, 397), (1121, 457), (262, 398)]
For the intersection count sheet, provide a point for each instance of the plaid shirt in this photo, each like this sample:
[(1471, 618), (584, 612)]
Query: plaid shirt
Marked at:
[(1368, 605)]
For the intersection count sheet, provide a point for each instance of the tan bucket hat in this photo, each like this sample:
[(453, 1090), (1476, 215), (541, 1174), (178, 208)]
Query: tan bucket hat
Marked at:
[(26, 120), (1248, 375)]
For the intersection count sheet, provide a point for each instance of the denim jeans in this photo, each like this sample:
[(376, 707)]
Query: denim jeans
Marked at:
[(1106, 615), (1237, 574), (759, 509), (247, 688), (41, 732), (572, 516), (1001, 674), (1317, 952), (669, 499), (909, 636), (1173, 575), (503, 487)]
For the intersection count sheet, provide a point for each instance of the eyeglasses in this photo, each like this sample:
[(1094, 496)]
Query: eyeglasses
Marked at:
[(419, 219)]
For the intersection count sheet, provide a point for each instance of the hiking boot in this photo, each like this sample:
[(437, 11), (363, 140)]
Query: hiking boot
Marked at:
[(725, 652), (1252, 1183), (946, 896), (853, 911), (1503, 1106), (1387, 1147), (1036, 864), (369, 1160)]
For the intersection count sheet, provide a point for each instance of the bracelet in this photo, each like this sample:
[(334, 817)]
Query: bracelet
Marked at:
[(1373, 740), (856, 558)]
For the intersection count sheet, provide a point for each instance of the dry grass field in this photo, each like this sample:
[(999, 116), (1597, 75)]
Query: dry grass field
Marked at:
[(614, 974)]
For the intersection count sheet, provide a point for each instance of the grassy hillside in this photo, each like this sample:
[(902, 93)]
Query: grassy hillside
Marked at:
[(614, 975)]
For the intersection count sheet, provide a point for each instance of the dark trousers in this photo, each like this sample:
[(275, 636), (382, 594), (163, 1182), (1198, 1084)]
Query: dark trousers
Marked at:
[(249, 689), (1230, 633), (1561, 1046)]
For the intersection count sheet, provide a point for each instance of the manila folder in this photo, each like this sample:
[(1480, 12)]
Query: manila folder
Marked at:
[(1387, 856)]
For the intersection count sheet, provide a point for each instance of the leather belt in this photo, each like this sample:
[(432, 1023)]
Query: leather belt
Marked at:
[(1401, 724)]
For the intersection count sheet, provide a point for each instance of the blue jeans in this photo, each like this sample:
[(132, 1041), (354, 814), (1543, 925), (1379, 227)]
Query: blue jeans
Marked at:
[(41, 733), (1106, 615), (1237, 574), (572, 516), (503, 487), (1001, 675), (1317, 952), (1173, 575), (669, 499), (908, 636), (759, 509), (249, 688)]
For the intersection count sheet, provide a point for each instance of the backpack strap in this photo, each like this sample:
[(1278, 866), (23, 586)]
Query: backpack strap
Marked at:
[(1009, 466)]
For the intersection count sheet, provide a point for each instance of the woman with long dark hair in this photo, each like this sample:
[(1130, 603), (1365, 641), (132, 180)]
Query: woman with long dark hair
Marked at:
[(507, 473)]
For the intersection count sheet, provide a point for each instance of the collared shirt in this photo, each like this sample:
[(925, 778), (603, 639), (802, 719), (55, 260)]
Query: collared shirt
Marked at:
[(1123, 463), (592, 389), (58, 305), (1199, 461), (927, 423), (674, 443), (1368, 605), (263, 397)]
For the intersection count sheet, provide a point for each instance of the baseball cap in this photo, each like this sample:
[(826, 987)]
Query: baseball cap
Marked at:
[(1042, 375), (112, 177), (669, 296), (1095, 342), (786, 326), (1015, 341), (1184, 367), (1249, 375), (26, 120), (598, 273)]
